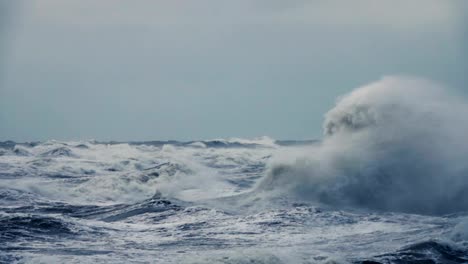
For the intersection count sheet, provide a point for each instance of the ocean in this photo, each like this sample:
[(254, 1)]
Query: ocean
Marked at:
[(386, 184)]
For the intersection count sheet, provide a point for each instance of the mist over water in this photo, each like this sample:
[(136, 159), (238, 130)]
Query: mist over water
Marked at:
[(398, 144)]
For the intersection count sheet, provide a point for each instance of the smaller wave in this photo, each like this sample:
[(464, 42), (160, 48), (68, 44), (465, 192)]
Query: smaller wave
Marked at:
[(7, 144), (424, 252), (58, 152), (31, 226), (241, 142), (154, 205), (108, 213)]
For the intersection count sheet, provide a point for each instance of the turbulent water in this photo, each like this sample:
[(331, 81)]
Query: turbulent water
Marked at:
[(387, 184)]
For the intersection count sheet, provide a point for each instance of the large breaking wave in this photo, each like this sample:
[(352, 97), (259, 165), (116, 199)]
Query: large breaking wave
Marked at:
[(398, 144)]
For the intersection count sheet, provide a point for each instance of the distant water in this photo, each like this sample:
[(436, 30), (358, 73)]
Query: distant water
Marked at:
[(387, 184)]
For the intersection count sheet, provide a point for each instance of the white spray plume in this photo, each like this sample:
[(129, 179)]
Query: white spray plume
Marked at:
[(399, 144)]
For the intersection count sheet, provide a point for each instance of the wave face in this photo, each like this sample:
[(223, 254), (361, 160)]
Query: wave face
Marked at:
[(398, 144), (392, 147)]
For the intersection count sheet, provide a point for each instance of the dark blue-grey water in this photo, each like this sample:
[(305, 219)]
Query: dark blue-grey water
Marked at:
[(197, 202)]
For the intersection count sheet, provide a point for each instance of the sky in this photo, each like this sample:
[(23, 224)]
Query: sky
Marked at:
[(188, 70)]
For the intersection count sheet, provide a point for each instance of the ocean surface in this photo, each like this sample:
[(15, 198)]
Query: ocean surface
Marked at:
[(387, 183), (192, 202)]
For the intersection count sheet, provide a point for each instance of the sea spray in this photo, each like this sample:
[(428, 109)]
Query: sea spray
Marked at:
[(398, 144)]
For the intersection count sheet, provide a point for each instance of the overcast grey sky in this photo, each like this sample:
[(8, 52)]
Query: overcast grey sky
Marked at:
[(181, 69)]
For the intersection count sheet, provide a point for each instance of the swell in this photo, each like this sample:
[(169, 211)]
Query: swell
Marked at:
[(37, 227), (431, 251)]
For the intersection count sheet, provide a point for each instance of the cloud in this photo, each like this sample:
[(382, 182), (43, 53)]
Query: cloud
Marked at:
[(398, 14), (393, 14)]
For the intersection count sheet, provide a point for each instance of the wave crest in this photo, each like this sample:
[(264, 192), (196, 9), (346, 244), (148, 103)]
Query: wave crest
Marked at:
[(398, 144)]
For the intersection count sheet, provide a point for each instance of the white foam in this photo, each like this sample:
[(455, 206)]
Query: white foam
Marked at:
[(115, 173)]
